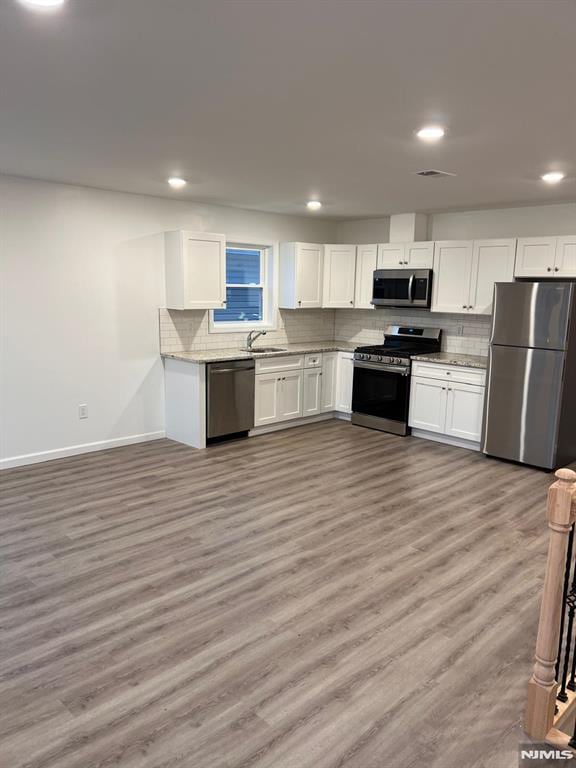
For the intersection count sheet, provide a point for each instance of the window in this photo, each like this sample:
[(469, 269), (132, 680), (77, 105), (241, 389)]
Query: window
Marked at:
[(247, 290)]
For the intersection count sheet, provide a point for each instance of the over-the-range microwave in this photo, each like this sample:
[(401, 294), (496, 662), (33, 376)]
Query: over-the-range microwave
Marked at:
[(402, 288)]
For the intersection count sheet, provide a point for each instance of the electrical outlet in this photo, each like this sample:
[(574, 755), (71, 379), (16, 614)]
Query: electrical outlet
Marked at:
[(82, 411)]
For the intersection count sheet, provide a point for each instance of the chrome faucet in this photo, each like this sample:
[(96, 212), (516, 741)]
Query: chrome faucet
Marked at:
[(252, 338)]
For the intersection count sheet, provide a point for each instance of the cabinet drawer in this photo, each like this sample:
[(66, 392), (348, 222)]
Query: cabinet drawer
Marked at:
[(475, 376), (313, 360), (281, 363)]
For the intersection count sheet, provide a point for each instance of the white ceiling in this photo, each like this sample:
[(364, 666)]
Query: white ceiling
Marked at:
[(263, 103)]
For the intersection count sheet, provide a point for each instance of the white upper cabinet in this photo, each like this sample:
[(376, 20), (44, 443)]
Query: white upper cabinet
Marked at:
[(465, 273), (419, 255), (546, 257), (195, 270), (406, 255), (493, 262), (565, 264), (339, 276), (301, 275), (535, 257), (366, 257), (452, 274), (391, 256)]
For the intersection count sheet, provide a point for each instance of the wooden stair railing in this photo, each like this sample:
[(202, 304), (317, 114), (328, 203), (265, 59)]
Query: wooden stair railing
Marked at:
[(551, 695)]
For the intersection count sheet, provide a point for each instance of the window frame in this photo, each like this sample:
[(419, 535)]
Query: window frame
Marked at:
[(268, 284)]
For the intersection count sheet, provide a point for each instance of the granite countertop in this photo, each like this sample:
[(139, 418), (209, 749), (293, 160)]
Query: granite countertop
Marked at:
[(218, 355), (453, 358)]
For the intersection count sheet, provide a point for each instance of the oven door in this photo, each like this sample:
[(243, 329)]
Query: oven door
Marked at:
[(402, 288), (380, 397)]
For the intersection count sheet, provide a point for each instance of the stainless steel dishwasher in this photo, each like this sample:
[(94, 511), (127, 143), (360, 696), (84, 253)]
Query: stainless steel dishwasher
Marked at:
[(229, 398)]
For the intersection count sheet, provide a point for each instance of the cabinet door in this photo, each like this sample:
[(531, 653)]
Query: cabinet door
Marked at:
[(267, 397), (452, 274), (366, 257), (309, 269), (391, 255), (339, 275), (329, 369), (428, 404), (419, 255), (535, 256), (465, 404), (312, 391), (565, 265), (493, 263), (204, 267), (291, 385), (344, 378)]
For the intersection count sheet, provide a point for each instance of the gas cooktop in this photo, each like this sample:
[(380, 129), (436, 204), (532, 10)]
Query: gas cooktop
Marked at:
[(400, 343)]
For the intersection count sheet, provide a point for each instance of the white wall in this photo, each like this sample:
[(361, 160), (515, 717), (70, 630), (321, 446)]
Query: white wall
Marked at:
[(363, 231), (504, 222), (81, 283), (558, 219)]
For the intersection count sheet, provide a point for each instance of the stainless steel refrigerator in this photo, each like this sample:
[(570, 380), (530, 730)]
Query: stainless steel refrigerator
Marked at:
[(530, 413)]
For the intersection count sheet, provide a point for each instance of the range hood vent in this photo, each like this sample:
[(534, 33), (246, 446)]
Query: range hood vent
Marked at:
[(434, 174)]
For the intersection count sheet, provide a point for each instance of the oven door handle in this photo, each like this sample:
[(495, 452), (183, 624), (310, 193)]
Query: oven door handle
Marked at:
[(382, 367), (411, 287)]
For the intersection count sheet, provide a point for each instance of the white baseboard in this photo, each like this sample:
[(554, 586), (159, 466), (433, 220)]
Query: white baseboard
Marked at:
[(439, 438), (75, 450)]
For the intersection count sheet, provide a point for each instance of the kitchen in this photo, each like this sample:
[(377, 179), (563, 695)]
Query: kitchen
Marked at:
[(287, 362), (406, 385)]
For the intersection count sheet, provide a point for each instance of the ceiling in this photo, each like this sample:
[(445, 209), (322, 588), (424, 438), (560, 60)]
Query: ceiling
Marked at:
[(263, 104)]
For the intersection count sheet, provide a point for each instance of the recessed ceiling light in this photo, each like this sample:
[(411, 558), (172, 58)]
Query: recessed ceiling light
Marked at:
[(313, 205), (553, 177), (43, 5), (176, 182), (430, 133)]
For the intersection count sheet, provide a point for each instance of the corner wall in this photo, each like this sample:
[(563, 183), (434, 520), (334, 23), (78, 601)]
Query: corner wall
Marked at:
[(82, 279)]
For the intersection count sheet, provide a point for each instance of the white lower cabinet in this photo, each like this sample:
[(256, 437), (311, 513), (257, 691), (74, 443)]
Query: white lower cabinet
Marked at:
[(290, 399), (278, 397), (267, 393), (329, 375), (320, 384), (344, 379), (312, 391), (464, 406), (428, 404), (440, 404)]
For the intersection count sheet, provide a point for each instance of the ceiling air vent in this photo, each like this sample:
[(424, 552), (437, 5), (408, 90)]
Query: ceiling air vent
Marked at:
[(433, 174)]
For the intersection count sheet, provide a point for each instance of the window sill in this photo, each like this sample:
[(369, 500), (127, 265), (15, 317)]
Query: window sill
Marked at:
[(239, 327)]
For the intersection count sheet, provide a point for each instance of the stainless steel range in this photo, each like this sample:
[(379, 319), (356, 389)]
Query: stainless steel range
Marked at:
[(381, 387)]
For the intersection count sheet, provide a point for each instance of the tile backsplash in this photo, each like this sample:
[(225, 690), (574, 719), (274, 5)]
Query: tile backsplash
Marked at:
[(465, 334), (188, 329)]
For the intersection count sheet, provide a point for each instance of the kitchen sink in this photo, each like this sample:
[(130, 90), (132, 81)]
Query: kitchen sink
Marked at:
[(264, 350)]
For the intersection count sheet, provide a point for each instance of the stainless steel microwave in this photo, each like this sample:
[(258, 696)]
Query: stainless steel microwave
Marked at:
[(402, 288)]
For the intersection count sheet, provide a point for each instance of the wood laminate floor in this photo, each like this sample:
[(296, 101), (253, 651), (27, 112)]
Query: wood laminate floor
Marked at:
[(324, 597)]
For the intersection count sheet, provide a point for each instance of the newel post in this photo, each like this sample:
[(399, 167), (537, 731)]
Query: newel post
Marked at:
[(543, 686)]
